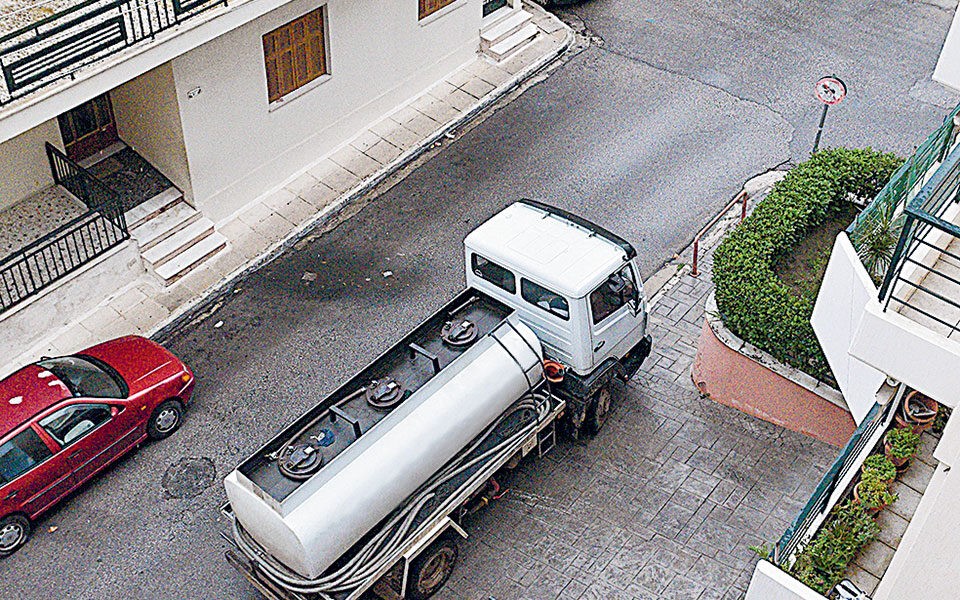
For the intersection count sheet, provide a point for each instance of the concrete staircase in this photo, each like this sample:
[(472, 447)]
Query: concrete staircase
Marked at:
[(508, 35), (174, 238)]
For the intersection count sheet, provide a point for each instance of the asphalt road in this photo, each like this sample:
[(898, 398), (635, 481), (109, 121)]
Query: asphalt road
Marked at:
[(648, 131)]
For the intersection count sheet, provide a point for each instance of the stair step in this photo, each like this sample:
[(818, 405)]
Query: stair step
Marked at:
[(504, 27), (153, 231), (186, 261), (178, 242), (505, 48), (153, 207)]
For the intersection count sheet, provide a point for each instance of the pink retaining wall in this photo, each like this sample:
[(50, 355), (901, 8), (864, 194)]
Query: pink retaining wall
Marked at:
[(732, 379)]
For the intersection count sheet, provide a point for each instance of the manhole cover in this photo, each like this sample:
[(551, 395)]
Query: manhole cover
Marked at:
[(188, 477)]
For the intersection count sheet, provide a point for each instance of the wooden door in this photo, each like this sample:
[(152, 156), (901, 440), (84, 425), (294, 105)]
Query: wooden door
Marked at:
[(89, 128)]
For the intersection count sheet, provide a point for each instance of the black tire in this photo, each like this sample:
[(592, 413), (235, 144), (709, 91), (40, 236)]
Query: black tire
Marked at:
[(432, 568), (599, 409), (165, 419), (14, 533)]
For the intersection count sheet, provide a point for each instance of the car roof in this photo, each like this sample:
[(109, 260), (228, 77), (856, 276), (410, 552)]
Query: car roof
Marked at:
[(547, 246), (24, 394)]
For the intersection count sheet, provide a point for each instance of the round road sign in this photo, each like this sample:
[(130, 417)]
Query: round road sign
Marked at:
[(830, 90)]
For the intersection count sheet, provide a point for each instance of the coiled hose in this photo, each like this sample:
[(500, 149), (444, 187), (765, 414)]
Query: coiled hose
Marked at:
[(383, 548)]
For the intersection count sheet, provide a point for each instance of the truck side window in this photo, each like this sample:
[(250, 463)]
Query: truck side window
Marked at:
[(501, 277), (21, 454), (612, 294), (542, 297)]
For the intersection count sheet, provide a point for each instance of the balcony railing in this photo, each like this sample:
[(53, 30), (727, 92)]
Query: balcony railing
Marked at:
[(57, 46), (41, 263), (924, 274), (829, 490), (893, 198)]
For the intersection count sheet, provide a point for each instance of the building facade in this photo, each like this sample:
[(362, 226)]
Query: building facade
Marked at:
[(130, 132)]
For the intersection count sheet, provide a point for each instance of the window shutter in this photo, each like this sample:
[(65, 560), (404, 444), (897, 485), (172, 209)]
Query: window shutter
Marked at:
[(294, 55)]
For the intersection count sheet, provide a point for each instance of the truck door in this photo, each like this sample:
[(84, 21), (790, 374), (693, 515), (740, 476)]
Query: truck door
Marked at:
[(616, 316)]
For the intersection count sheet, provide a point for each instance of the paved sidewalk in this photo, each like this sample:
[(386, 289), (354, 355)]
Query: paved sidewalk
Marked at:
[(283, 216), (663, 504)]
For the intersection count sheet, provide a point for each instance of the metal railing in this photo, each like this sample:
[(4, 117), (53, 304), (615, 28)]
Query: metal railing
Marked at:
[(56, 46), (740, 198), (895, 194), (28, 270), (924, 247), (851, 457)]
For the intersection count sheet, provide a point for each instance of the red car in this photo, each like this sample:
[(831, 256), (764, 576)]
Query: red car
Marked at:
[(62, 420)]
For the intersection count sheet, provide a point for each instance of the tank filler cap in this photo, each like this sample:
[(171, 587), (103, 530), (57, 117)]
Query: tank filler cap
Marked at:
[(384, 394), (459, 333), (300, 461)]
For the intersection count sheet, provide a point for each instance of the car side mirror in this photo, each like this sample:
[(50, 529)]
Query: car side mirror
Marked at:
[(114, 411)]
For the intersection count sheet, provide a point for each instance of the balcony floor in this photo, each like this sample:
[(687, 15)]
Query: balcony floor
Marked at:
[(15, 14), (35, 216), (869, 567)]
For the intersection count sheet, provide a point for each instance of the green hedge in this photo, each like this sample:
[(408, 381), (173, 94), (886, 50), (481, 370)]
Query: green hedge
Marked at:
[(753, 302)]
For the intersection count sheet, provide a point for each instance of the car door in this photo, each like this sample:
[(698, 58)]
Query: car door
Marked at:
[(614, 316), (90, 434), (32, 476)]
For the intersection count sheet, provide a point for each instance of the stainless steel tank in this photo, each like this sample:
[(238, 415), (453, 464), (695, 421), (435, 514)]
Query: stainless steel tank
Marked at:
[(326, 515)]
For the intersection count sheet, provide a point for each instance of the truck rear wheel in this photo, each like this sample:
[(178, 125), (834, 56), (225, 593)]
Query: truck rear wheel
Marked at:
[(431, 569), (599, 409)]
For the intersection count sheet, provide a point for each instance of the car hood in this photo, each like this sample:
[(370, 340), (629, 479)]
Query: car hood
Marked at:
[(141, 362)]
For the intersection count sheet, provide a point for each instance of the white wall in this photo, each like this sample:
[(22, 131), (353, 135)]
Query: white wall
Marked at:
[(770, 583), (380, 55), (845, 292), (948, 66), (24, 167), (148, 119)]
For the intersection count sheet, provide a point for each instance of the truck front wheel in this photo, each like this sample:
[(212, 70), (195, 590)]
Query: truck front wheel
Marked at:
[(599, 409), (432, 568)]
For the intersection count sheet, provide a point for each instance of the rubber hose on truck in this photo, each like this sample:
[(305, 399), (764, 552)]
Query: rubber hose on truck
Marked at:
[(383, 547)]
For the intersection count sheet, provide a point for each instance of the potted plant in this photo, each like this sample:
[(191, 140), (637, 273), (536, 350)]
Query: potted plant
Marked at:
[(900, 445), (880, 467), (873, 494), (917, 411)]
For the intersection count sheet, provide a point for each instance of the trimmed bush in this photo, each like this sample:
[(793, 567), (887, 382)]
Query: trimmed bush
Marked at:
[(753, 302)]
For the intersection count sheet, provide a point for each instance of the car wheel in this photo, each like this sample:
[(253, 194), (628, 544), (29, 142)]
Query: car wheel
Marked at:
[(165, 419), (14, 533), (599, 409), (432, 568)]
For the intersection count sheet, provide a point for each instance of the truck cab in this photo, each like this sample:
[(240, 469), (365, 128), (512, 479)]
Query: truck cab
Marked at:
[(577, 286)]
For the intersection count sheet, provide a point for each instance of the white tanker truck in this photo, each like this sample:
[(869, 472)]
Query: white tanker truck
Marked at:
[(361, 496)]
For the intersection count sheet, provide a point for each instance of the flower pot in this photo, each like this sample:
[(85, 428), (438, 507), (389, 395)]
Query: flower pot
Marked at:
[(856, 498), (899, 463), (917, 411)]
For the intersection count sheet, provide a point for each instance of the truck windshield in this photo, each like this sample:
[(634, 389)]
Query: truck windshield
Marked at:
[(86, 377)]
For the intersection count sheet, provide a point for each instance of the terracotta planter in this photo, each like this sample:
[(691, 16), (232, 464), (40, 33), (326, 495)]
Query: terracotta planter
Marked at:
[(917, 411)]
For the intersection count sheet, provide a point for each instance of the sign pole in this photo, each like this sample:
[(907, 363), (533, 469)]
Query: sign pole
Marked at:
[(823, 117), (829, 90)]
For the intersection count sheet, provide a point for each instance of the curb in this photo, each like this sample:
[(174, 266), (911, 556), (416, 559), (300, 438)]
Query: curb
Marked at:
[(199, 304)]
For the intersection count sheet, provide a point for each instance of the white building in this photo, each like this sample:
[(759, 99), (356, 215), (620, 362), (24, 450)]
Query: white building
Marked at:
[(883, 340), (190, 110)]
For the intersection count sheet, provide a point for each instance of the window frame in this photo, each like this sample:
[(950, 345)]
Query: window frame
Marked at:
[(65, 444), (434, 11), (43, 443), (274, 51), (626, 299), (512, 290), (524, 280)]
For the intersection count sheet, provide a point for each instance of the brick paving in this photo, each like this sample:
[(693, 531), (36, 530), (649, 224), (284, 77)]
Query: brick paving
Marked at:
[(662, 504)]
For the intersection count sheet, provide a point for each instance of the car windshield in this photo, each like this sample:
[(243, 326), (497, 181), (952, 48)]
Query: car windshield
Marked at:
[(85, 377)]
